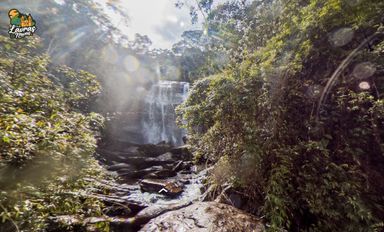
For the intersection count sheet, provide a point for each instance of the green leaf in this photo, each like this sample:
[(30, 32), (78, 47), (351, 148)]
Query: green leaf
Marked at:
[(6, 139)]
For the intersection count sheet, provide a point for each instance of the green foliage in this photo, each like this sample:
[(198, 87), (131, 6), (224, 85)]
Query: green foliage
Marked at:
[(63, 190), (47, 138), (37, 108), (303, 170)]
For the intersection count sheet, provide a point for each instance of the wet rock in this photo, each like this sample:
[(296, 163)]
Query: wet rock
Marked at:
[(162, 143), (94, 220), (148, 185), (172, 189), (122, 150), (134, 223), (183, 166), (166, 157), (115, 144), (135, 174), (188, 165), (155, 210), (161, 186), (109, 157), (204, 217), (178, 167), (153, 150), (115, 200), (169, 166), (118, 210), (128, 175), (165, 173), (144, 162), (129, 187), (182, 152), (137, 161), (186, 172), (185, 181), (136, 206), (69, 223), (155, 172), (113, 152), (119, 166), (126, 171), (123, 224), (162, 161), (131, 149)]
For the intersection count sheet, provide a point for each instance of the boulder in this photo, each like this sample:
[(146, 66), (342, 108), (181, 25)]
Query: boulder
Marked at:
[(161, 174), (144, 162), (115, 200), (162, 160), (113, 152), (69, 223), (164, 187), (154, 172), (149, 185), (183, 166), (153, 150), (117, 210), (112, 144), (178, 167), (172, 189), (166, 157), (157, 209), (134, 223), (204, 217), (119, 166), (109, 157), (182, 153), (186, 172), (127, 175)]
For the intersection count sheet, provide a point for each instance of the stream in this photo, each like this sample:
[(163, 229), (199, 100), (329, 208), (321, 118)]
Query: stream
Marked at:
[(155, 176)]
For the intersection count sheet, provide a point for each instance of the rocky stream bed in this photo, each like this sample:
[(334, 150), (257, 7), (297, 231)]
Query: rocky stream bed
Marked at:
[(158, 189)]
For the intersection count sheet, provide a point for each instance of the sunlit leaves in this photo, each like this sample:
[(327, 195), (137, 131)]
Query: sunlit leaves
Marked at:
[(44, 135), (306, 174)]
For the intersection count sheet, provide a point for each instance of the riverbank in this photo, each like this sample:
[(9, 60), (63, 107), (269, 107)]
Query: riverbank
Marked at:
[(163, 190), (150, 180)]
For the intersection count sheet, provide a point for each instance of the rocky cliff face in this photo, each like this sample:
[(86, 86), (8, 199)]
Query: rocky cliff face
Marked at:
[(152, 118)]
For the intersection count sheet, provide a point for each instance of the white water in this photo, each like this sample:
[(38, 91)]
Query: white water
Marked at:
[(159, 122)]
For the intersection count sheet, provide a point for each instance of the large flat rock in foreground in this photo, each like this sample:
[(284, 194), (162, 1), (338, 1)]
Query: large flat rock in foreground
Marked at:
[(204, 217)]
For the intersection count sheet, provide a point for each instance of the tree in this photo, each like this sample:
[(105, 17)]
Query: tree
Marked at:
[(257, 121)]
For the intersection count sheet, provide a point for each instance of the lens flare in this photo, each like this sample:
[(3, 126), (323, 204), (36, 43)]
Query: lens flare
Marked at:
[(353, 2), (364, 85), (341, 37), (364, 70), (131, 63), (110, 54)]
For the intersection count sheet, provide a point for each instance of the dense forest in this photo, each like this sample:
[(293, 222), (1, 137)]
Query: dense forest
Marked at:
[(297, 122), (285, 112)]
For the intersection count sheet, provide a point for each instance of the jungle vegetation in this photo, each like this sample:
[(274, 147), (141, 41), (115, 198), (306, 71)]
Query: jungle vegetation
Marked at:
[(287, 105), (295, 121)]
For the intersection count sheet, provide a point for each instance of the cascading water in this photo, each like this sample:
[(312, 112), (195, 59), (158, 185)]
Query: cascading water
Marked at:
[(159, 121)]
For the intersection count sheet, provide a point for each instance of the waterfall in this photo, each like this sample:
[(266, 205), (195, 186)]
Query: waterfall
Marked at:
[(159, 120)]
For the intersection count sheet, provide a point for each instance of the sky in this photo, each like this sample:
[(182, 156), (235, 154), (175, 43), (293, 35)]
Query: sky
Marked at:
[(159, 19)]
